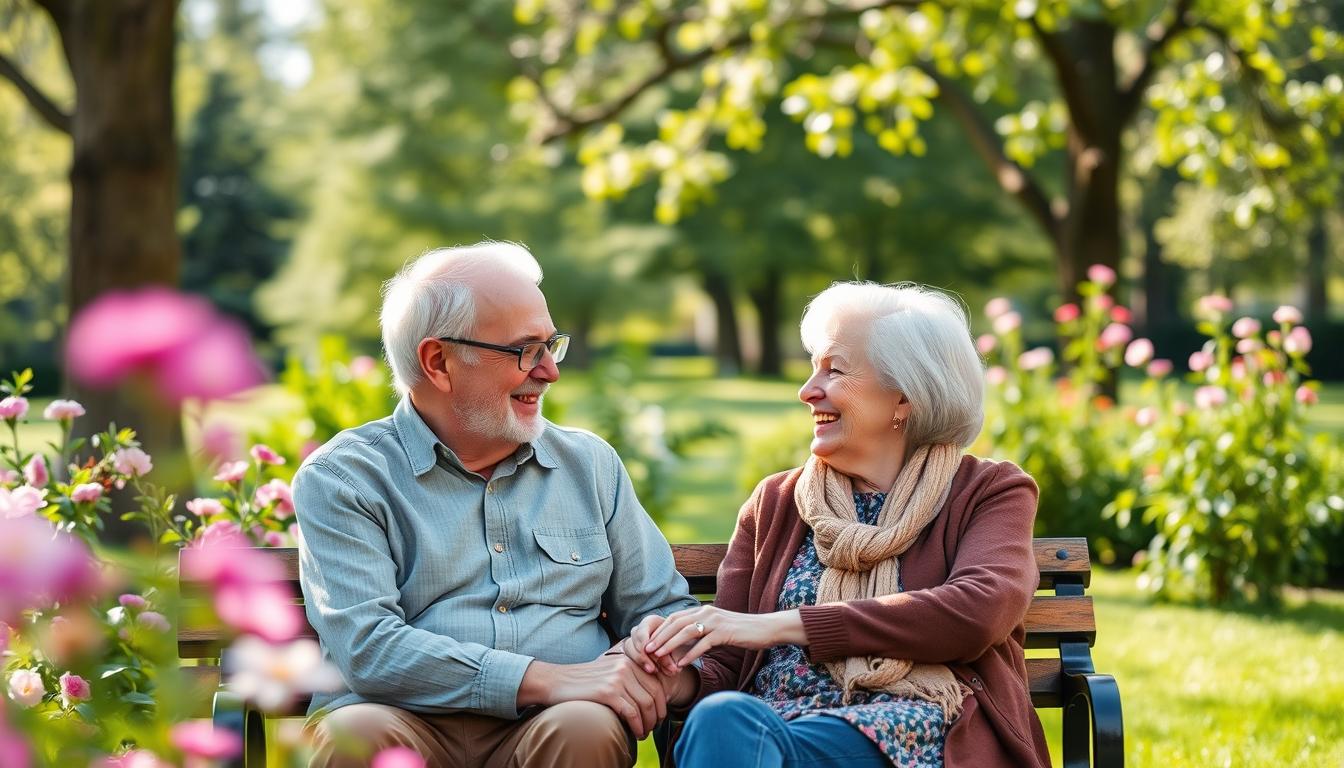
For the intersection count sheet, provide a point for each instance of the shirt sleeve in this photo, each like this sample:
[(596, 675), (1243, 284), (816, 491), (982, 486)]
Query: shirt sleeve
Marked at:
[(350, 591), (644, 577)]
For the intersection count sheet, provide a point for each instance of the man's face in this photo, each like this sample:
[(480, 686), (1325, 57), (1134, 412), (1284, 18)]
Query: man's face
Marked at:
[(493, 401)]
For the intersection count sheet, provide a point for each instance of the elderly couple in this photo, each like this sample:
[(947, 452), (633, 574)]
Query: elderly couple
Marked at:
[(463, 559)]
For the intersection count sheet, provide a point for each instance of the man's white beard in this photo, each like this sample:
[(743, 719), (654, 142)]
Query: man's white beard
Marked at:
[(493, 419)]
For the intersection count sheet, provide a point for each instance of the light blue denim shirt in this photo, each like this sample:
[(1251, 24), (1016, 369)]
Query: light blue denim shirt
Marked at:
[(432, 589)]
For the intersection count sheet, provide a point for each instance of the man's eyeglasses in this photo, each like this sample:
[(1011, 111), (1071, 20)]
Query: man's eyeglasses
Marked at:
[(529, 355)]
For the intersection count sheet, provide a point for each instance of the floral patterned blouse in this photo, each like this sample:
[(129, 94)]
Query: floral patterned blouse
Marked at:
[(909, 732)]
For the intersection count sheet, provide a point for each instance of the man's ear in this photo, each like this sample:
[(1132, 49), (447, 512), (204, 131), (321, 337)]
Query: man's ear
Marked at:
[(435, 364)]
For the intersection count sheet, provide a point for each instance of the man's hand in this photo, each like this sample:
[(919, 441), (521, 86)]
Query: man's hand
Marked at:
[(612, 679), (634, 647)]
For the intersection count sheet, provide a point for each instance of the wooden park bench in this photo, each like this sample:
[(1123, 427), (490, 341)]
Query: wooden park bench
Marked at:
[(1061, 627)]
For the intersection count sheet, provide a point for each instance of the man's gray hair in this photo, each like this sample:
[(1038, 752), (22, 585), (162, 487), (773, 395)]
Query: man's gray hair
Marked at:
[(433, 296), (919, 341)]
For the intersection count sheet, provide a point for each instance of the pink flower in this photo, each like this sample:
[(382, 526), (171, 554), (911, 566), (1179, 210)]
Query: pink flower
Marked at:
[(1306, 395), (40, 566), (202, 739), (74, 689), (35, 472), (1067, 313), (1120, 314), (1298, 341), (1159, 368), (1237, 369), (1248, 346), (1035, 358), (997, 306), (232, 472), (23, 501), (62, 410), (86, 492), (1114, 335), (26, 688), (187, 348), (154, 620), (1288, 315), (1246, 327), (220, 533), (263, 454), (362, 366), (1105, 302), (398, 757), (986, 343), (132, 462), (278, 492), (14, 751), (133, 601), (13, 408), (273, 539), (1213, 305), (8, 476), (136, 758), (205, 507), (1101, 275), (1200, 361), (250, 593), (1210, 397), (1145, 417), (996, 375), (1007, 323), (220, 442), (1139, 352), (308, 447)]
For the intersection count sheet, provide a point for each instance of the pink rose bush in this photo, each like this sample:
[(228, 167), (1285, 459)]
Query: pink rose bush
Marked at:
[(1218, 489)]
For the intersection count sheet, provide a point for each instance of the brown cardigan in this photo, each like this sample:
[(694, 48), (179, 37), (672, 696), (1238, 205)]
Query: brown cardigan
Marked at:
[(968, 581)]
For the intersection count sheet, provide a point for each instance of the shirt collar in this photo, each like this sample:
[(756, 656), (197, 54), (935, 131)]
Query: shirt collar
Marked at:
[(423, 447)]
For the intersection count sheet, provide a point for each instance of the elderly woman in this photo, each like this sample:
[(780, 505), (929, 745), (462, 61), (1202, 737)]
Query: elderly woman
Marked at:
[(870, 607)]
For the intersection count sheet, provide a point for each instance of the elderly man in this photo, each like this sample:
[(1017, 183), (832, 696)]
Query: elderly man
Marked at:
[(459, 556)]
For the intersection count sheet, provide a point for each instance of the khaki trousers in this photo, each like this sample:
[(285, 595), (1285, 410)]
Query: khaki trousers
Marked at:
[(574, 734)]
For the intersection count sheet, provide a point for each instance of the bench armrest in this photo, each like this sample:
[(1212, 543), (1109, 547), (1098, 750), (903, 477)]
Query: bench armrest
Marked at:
[(233, 714), (1092, 718)]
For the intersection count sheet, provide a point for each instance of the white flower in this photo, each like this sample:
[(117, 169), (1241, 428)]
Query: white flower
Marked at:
[(132, 462), (25, 687), (270, 676)]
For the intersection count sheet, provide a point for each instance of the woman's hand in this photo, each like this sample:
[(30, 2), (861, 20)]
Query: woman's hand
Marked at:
[(634, 647), (700, 629)]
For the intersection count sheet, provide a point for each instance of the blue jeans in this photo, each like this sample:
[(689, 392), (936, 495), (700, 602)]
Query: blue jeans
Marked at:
[(738, 729)]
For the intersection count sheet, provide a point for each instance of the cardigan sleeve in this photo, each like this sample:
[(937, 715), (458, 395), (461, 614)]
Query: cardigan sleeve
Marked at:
[(985, 597)]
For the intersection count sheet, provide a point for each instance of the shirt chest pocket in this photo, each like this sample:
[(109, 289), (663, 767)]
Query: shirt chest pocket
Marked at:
[(576, 567)]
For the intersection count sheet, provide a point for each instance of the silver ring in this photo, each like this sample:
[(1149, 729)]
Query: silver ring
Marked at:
[(699, 628)]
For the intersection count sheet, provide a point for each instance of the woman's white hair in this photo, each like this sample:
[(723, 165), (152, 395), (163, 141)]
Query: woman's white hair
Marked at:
[(433, 296), (919, 341)]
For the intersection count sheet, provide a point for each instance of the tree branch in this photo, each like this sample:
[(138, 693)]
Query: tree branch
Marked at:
[(1158, 39), (44, 106), (1071, 83), (1012, 177)]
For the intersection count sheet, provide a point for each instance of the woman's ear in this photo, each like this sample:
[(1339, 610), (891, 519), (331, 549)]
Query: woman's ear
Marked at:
[(436, 364), (903, 407)]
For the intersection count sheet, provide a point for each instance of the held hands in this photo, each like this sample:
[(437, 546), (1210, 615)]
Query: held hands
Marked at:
[(637, 697), (686, 635)]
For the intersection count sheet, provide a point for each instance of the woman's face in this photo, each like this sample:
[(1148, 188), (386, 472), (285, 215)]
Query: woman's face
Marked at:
[(851, 411)]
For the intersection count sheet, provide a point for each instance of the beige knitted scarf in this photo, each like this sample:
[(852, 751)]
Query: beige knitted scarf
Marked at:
[(863, 561)]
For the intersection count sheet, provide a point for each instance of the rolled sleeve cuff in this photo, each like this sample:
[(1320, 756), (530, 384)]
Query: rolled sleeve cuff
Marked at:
[(825, 630), (497, 684)]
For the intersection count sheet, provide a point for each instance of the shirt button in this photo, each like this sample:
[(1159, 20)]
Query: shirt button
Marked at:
[(503, 609), (490, 488), (574, 556), (499, 547)]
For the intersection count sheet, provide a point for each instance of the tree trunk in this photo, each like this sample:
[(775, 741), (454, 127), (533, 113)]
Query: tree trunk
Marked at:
[(1162, 282), (123, 186), (1316, 273), (765, 296), (727, 346)]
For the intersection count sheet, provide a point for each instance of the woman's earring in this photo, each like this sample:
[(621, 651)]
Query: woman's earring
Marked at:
[(897, 423)]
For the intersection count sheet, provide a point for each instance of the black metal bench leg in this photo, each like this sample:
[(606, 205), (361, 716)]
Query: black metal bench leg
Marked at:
[(1094, 732), (233, 714)]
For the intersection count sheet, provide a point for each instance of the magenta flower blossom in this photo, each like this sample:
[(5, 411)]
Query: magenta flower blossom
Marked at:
[(1159, 368), (86, 492), (1101, 275), (1139, 352), (154, 620), (307, 449), (276, 492), (1036, 358), (1114, 335), (39, 566), (1213, 305), (201, 739), (264, 454), (232, 472), (1121, 314), (13, 408), (1067, 313), (136, 758), (249, 591), (180, 341), (398, 757), (74, 689), (14, 752), (220, 442), (62, 410), (1246, 327), (133, 601), (1007, 323), (222, 533), (996, 307), (1200, 361), (1298, 341), (205, 507), (132, 462), (35, 471), (1210, 397), (23, 501), (1306, 395), (26, 688), (1288, 315), (985, 343)]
